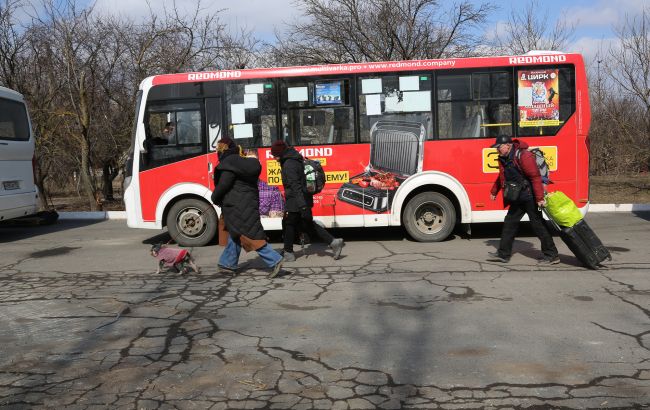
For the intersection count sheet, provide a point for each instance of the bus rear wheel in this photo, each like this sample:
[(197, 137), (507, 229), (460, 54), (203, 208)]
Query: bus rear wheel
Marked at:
[(429, 217), (192, 222)]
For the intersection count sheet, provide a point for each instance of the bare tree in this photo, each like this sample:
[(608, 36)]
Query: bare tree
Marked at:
[(627, 106), (620, 131), (79, 72), (12, 45), (339, 31), (628, 66), (532, 29), (167, 41), (75, 44), (26, 67)]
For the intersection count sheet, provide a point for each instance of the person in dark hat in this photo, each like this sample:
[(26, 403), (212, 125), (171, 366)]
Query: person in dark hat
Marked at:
[(298, 202), (235, 191), (523, 192)]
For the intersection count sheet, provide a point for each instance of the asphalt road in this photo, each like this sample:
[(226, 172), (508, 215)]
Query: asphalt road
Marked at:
[(85, 323)]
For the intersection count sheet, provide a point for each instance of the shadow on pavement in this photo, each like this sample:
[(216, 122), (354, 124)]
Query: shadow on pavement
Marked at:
[(390, 233), (15, 231), (645, 215)]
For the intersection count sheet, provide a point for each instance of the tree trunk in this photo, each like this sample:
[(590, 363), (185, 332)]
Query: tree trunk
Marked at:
[(40, 177), (87, 180), (108, 175)]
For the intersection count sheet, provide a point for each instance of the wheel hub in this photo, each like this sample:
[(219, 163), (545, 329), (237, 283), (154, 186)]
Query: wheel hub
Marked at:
[(428, 217), (190, 222)]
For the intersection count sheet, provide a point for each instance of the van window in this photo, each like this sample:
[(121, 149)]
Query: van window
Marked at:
[(14, 125)]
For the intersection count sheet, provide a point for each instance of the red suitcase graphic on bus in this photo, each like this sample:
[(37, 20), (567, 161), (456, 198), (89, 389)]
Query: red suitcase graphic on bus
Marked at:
[(396, 149)]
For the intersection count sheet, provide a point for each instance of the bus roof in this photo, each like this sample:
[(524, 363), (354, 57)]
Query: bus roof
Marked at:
[(533, 58)]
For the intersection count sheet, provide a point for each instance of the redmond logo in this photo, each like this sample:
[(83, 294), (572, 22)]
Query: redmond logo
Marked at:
[(537, 59), (214, 75)]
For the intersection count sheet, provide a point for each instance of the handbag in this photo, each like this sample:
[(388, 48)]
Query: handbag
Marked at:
[(223, 231), (512, 190)]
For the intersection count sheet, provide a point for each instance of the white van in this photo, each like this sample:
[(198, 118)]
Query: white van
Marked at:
[(18, 193)]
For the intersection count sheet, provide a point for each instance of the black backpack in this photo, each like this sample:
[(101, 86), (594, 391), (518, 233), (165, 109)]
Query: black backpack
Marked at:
[(314, 175)]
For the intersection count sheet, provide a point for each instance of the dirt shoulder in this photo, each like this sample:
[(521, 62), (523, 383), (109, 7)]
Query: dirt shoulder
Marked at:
[(623, 189)]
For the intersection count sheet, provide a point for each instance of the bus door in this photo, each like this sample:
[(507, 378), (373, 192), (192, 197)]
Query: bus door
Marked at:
[(214, 126)]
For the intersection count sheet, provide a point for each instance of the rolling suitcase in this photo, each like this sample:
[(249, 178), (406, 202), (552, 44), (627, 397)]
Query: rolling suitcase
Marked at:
[(584, 243)]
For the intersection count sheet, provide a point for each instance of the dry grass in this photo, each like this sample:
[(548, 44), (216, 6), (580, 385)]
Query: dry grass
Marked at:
[(74, 204), (624, 189)]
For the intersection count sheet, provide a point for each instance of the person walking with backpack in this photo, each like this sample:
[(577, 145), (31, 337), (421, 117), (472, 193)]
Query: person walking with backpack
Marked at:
[(520, 180), (298, 202), (235, 191)]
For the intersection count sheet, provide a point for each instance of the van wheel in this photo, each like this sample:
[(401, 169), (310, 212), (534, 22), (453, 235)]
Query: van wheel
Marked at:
[(192, 222), (429, 217)]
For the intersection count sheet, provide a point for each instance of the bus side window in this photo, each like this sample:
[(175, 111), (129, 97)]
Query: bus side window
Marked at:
[(395, 97), (317, 111), (474, 105), (251, 109)]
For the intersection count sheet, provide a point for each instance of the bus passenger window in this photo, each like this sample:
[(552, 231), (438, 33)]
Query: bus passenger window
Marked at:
[(393, 97), (317, 112), (251, 112), (474, 105)]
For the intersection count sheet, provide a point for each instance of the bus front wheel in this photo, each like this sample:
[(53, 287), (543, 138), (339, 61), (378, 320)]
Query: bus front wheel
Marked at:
[(429, 217), (192, 222)]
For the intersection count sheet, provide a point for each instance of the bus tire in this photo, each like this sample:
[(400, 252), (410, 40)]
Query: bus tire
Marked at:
[(429, 217), (192, 222)]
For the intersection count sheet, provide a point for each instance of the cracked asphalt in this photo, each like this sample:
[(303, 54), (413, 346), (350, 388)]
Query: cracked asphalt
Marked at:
[(85, 323)]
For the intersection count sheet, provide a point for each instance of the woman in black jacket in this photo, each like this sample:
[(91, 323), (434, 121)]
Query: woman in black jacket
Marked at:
[(235, 191), (299, 202)]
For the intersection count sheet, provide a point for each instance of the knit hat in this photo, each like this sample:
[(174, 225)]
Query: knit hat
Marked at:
[(278, 148)]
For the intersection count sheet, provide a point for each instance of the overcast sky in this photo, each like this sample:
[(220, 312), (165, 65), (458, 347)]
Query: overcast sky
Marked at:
[(593, 18)]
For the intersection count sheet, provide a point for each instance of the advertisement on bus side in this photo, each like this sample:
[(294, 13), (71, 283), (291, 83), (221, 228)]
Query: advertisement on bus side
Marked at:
[(538, 98)]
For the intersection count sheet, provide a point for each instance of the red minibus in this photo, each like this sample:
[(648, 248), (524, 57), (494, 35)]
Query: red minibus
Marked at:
[(402, 143)]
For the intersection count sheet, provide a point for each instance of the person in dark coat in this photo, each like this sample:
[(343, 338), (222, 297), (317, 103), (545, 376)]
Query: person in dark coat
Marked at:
[(235, 191), (298, 202), (517, 165)]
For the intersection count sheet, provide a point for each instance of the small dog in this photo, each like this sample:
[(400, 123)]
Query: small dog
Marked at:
[(177, 259)]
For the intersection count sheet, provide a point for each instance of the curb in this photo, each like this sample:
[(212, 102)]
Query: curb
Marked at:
[(121, 215), (618, 207), (101, 215)]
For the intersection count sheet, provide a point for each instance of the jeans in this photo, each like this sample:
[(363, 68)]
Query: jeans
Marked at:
[(230, 256), (295, 222), (511, 224)]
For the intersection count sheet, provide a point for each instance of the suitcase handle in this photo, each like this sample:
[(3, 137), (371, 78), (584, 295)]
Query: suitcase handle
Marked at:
[(555, 225)]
